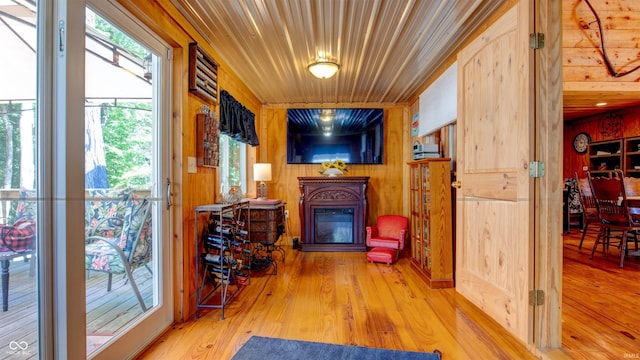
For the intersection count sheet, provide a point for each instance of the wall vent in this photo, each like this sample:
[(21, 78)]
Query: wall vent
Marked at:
[(203, 74)]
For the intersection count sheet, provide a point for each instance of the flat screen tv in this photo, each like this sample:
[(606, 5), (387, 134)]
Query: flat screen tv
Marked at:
[(355, 136)]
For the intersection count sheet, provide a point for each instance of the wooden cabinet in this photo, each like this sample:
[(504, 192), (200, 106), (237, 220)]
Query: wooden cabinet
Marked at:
[(632, 156), (431, 221), (605, 156), (267, 220), (623, 153)]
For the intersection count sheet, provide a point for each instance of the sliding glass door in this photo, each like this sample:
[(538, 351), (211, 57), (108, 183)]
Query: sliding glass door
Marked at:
[(82, 229), (20, 230), (126, 161)]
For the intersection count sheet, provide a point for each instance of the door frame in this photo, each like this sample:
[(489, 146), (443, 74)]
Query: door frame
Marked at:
[(548, 188)]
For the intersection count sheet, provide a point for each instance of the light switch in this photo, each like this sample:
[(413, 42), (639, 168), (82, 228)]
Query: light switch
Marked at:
[(585, 168), (191, 165)]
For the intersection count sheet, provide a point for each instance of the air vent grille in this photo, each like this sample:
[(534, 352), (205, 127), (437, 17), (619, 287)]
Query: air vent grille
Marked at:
[(203, 74)]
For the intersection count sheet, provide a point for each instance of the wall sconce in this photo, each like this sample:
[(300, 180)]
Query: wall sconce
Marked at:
[(262, 173), (323, 68)]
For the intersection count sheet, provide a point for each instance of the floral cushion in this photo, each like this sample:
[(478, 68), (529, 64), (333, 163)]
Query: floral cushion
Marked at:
[(133, 245), (26, 208), (574, 203), (105, 212)]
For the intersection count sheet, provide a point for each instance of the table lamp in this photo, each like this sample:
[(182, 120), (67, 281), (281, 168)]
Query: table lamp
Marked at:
[(262, 173)]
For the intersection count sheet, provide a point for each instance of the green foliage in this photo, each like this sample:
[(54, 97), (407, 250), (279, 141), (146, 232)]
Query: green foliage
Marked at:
[(234, 163), (10, 115), (120, 38), (127, 127), (128, 139)]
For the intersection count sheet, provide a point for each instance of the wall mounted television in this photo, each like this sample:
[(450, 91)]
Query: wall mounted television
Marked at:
[(355, 136)]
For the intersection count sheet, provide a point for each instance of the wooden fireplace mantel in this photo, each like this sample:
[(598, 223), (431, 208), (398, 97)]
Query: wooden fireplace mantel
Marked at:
[(340, 192)]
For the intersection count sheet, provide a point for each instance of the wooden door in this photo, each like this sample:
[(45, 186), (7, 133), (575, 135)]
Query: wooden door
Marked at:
[(494, 231)]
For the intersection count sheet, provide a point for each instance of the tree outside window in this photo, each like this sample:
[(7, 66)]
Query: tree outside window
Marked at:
[(233, 160)]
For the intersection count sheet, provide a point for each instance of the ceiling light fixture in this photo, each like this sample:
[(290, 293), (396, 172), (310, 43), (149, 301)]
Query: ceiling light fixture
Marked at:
[(601, 104), (323, 68)]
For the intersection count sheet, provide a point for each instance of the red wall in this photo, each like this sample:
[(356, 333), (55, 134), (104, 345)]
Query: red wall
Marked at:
[(605, 126)]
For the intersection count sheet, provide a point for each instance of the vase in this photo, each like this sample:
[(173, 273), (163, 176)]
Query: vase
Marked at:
[(332, 172)]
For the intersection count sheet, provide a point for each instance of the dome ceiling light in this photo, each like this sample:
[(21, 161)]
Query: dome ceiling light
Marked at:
[(323, 68)]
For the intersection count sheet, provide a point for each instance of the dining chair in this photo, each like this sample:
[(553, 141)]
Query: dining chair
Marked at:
[(589, 207), (632, 189), (613, 211)]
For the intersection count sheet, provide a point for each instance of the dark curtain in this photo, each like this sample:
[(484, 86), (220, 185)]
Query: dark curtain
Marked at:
[(236, 120)]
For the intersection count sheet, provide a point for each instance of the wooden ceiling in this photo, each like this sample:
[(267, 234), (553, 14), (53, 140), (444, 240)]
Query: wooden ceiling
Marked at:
[(387, 50), (580, 104)]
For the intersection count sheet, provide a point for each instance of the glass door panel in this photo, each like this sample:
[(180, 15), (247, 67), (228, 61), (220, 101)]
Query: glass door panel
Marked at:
[(19, 227), (124, 167)]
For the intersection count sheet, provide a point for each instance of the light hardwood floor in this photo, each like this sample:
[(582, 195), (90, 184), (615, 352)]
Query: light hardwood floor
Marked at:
[(601, 302), (340, 298)]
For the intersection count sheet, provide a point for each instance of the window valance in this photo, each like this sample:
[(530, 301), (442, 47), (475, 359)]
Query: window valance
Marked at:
[(236, 120)]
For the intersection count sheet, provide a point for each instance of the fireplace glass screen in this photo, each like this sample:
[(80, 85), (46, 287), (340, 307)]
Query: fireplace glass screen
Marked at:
[(334, 226)]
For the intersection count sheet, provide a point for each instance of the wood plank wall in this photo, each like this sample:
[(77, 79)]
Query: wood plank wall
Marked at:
[(605, 126), (189, 190), (586, 78), (582, 58), (386, 192)]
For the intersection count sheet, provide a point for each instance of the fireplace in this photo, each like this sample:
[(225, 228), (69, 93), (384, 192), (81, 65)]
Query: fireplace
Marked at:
[(333, 225), (333, 211)]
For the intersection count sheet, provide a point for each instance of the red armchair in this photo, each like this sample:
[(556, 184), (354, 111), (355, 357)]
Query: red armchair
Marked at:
[(386, 238)]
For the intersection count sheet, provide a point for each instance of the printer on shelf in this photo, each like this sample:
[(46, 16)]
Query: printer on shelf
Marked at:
[(424, 151)]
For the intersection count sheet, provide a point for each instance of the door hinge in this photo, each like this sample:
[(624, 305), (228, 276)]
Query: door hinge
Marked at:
[(536, 169), (536, 41), (536, 297)]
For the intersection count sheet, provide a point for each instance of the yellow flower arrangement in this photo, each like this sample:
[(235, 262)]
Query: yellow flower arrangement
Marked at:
[(338, 164)]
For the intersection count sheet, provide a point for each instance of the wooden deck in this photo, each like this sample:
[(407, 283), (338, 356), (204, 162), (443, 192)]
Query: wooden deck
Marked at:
[(107, 312)]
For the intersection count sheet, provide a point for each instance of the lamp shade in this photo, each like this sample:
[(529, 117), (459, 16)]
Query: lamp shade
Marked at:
[(323, 69), (262, 172)]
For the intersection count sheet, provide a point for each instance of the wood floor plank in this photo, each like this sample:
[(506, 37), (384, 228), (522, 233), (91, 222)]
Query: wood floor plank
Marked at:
[(340, 298)]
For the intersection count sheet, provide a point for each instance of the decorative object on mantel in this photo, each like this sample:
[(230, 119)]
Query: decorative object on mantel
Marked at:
[(332, 172), (335, 168)]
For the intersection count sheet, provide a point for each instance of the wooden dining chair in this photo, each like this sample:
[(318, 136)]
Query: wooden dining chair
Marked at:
[(589, 207), (613, 211)]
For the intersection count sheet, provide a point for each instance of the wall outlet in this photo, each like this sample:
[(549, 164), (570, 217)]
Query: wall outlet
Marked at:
[(286, 214)]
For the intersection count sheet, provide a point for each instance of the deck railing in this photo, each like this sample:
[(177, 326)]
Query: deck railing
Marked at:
[(10, 197)]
